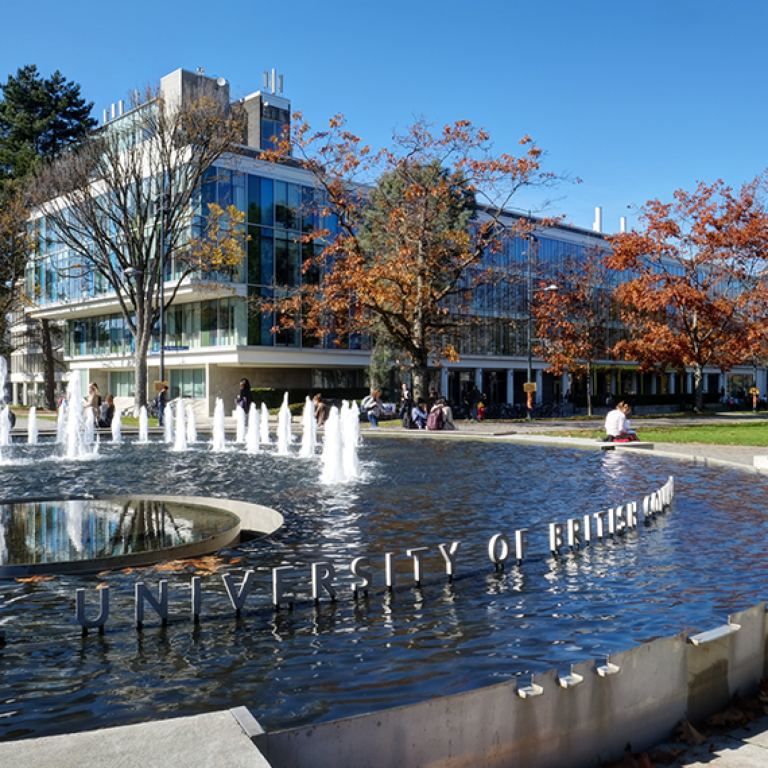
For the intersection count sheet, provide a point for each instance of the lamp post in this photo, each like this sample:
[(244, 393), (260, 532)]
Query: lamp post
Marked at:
[(530, 387), (162, 290)]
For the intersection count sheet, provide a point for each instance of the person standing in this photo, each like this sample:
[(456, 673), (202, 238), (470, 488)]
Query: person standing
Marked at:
[(406, 403), (321, 410), (244, 396), (93, 401), (162, 401)]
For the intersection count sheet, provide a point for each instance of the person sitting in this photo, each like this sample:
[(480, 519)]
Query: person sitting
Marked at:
[(373, 407), (107, 412), (419, 413), (617, 426), (447, 414)]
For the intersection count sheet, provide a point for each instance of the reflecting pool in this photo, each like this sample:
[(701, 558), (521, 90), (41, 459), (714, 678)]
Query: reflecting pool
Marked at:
[(686, 570), (77, 531)]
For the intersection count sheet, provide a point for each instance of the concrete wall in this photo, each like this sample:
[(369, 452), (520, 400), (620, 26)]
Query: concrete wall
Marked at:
[(581, 719)]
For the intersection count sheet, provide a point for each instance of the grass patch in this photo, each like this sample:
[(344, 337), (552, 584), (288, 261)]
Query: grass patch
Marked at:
[(752, 433)]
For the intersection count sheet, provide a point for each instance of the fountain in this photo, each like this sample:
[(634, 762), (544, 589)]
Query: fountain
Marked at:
[(117, 427), (254, 427), (333, 467), (284, 428), (309, 430), (61, 421), (191, 424), (5, 427), (143, 424), (32, 432), (424, 640), (219, 437), (79, 424), (181, 428), (168, 433), (239, 415), (350, 439), (264, 434)]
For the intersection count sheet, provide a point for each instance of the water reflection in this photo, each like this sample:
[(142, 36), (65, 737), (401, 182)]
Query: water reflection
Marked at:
[(66, 531), (390, 647)]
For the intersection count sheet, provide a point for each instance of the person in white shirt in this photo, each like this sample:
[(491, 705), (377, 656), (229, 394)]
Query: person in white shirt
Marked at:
[(617, 425)]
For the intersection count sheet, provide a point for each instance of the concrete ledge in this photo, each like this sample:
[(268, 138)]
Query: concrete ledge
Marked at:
[(215, 740)]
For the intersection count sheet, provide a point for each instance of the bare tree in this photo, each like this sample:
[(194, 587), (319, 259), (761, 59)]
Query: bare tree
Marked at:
[(128, 204)]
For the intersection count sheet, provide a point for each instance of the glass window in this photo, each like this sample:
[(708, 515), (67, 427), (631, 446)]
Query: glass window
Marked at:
[(238, 190), (254, 199), (191, 327), (267, 202), (281, 204), (122, 383), (287, 263), (189, 383)]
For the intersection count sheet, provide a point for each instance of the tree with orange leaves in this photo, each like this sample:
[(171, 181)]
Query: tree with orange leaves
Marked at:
[(697, 288), (417, 227), (574, 322)]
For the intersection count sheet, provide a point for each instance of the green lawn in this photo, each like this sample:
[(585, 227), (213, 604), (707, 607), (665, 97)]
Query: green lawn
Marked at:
[(753, 433)]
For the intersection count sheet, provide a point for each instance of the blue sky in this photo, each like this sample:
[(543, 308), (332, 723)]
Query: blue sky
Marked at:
[(636, 99)]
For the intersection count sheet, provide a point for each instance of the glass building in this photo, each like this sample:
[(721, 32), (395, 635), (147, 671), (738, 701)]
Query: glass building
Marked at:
[(215, 332)]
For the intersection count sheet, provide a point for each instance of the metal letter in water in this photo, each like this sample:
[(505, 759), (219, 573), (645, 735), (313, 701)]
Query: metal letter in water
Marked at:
[(103, 615), (322, 578), (521, 544), (237, 597), (496, 541), (358, 569), (160, 605), (417, 553), (278, 585), (574, 532), (556, 540), (389, 568), (600, 521), (197, 597), (449, 555)]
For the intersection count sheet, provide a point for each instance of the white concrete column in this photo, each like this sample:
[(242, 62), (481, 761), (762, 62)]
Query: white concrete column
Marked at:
[(511, 386), (444, 381), (689, 381), (614, 383), (635, 385), (479, 378), (539, 384), (672, 383)]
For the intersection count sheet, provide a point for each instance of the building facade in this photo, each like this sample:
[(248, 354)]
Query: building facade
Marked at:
[(215, 334)]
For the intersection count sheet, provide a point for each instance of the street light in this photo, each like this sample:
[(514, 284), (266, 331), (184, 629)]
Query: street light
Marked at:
[(529, 388)]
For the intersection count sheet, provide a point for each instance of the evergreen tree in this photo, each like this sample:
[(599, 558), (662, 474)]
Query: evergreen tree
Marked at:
[(38, 118)]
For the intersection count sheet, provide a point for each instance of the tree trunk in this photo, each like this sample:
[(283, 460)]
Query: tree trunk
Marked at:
[(420, 373), (143, 338), (49, 364), (698, 388)]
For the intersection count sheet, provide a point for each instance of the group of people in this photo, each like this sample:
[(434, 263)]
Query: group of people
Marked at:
[(413, 414), (103, 410)]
